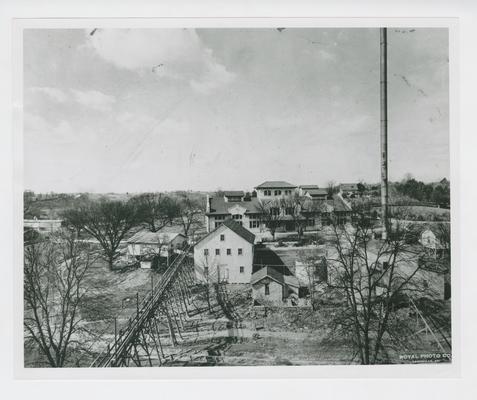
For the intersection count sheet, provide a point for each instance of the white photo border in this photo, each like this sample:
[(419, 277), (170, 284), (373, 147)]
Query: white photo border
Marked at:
[(450, 370)]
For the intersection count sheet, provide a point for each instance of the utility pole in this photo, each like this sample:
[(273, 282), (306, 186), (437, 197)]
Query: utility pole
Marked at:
[(384, 129)]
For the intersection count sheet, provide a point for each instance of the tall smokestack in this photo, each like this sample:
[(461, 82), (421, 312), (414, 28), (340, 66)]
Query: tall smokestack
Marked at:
[(384, 129)]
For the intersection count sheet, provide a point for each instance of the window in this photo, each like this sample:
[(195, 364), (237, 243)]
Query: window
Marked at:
[(289, 211), (206, 252), (274, 211), (240, 252), (217, 252), (254, 224), (310, 222), (222, 238), (287, 192), (267, 192), (277, 192), (217, 224), (267, 289), (237, 216), (229, 252), (242, 270), (206, 271)]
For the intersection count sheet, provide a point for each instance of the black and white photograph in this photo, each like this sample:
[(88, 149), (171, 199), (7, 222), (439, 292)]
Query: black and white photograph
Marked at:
[(236, 196)]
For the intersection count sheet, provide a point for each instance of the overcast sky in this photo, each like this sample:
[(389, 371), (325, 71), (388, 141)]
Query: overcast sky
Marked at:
[(140, 110)]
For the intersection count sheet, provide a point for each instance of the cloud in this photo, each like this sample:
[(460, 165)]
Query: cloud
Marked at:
[(88, 98), (94, 99), (53, 93), (41, 132), (177, 54)]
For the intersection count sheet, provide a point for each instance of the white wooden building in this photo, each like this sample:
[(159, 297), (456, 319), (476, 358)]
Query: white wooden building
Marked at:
[(146, 245), (225, 254)]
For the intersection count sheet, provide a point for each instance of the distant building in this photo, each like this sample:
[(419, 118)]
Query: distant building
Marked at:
[(225, 254), (233, 196), (272, 288), (313, 192), (349, 189), (243, 210), (271, 190), (43, 225), (277, 197), (147, 245), (431, 243)]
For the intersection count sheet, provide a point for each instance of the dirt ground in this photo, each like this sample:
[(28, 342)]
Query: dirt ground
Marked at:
[(277, 337)]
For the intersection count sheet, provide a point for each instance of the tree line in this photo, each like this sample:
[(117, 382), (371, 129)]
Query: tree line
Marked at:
[(110, 221), (425, 192)]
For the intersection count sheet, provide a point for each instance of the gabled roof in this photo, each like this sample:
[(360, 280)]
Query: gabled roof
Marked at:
[(234, 193), (339, 204), (148, 237), (275, 185), (269, 272), (317, 192), (234, 227), (219, 206), (308, 187), (240, 230)]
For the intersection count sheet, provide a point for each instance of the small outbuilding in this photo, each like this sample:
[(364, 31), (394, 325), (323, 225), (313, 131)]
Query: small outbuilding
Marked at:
[(272, 288), (432, 243), (145, 245)]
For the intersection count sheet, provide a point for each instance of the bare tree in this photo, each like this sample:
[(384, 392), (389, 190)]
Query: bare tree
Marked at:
[(312, 272), (156, 210), (372, 275), (107, 221), (54, 271), (190, 213), (209, 272), (296, 207), (270, 215)]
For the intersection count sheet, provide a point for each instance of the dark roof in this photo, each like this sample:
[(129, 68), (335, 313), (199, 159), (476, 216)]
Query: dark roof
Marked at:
[(219, 206), (349, 186), (275, 184), (337, 204), (305, 187), (235, 227), (275, 275), (317, 192), (240, 230), (234, 193)]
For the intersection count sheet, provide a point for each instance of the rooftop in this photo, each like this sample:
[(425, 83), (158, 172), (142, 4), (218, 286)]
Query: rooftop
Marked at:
[(275, 185), (219, 206), (305, 187), (240, 230), (234, 193), (317, 192), (349, 186), (234, 227), (148, 237), (275, 275)]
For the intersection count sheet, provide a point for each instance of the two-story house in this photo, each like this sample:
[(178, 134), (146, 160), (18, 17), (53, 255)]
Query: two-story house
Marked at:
[(243, 209), (313, 192), (273, 190), (287, 207), (225, 254)]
